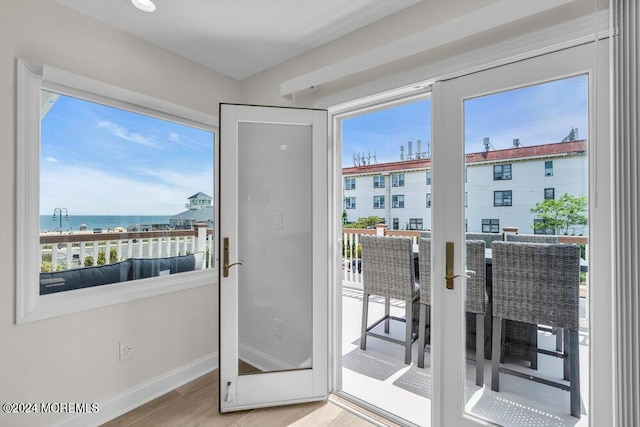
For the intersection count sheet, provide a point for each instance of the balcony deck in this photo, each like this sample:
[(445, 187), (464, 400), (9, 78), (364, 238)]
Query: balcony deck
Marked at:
[(379, 376)]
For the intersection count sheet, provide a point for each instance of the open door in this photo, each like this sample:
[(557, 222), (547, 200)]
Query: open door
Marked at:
[(273, 272)]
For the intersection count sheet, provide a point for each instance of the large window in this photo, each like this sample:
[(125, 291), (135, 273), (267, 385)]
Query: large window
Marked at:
[(415, 224), (490, 225), (428, 200), (397, 201), (378, 181), (349, 183), (549, 193), (501, 172), (502, 198), (428, 177), (350, 203), (397, 180), (112, 192), (548, 168), (378, 202)]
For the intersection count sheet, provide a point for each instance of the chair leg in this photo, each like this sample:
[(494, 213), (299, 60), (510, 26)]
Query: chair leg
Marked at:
[(479, 349), (496, 353), (422, 334), (566, 361), (408, 330), (363, 328), (532, 344), (503, 336), (559, 334), (387, 314), (574, 361)]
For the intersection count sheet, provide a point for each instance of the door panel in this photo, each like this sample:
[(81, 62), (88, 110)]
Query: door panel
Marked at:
[(458, 400), (274, 240)]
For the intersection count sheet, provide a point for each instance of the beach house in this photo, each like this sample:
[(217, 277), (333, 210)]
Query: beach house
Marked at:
[(156, 351)]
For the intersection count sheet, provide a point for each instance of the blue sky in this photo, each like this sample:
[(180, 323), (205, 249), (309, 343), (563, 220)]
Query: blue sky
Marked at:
[(539, 114), (98, 160)]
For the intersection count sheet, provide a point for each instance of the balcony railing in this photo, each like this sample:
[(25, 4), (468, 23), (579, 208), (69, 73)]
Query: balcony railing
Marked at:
[(73, 250), (351, 252)]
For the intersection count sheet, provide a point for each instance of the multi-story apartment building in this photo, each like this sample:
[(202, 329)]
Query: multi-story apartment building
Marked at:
[(501, 187)]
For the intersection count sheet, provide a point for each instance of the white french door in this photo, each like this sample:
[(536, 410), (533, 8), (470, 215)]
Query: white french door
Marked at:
[(453, 389), (273, 256)]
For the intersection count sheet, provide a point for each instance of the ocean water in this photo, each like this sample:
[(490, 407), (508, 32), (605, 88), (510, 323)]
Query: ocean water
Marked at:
[(105, 222)]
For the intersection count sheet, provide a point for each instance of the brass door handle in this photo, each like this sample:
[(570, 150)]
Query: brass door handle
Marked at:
[(225, 258), (450, 275)]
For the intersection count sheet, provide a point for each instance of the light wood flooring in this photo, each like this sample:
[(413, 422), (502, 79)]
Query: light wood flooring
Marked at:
[(196, 404)]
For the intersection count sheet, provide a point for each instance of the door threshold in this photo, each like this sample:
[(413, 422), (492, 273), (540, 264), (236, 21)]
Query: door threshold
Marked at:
[(365, 410)]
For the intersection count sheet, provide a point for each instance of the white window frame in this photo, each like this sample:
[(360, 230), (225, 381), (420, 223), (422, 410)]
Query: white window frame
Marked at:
[(397, 180), (379, 201), (30, 305), (397, 201), (379, 181), (349, 183), (350, 203)]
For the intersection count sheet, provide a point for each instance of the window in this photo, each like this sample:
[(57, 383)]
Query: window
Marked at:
[(466, 199), (378, 181), (395, 224), (428, 177), (415, 223), (548, 168), (397, 180), (349, 183), (502, 198), (397, 201), (108, 135), (539, 228), (428, 200), (350, 203), (501, 172), (490, 225), (378, 202), (549, 193)]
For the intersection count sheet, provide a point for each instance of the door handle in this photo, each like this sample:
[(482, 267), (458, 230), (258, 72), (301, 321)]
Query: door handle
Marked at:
[(449, 274), (225, 258)]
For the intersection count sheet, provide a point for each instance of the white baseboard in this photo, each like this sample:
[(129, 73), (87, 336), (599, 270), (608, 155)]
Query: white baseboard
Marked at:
[(260, 360), (143, 393)]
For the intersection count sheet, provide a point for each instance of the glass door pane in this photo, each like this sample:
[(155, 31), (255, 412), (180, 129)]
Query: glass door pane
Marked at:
[(526, 184)]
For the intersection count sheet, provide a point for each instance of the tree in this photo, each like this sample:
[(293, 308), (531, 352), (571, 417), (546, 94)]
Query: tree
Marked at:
[(561, 214), (367, 222)]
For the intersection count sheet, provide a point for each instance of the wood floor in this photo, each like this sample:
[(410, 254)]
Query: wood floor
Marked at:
[(196, 404)]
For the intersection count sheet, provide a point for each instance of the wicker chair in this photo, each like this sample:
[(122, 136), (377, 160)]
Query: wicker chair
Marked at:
[(538, 284), (532, 238), (388, 271), (488, 238), (475, 301)]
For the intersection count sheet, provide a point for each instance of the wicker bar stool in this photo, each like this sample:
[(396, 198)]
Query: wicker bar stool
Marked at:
[(538, 283), (388, 271)]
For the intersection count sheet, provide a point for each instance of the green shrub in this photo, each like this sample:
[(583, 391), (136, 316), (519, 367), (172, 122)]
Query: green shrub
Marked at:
[(88, 261)]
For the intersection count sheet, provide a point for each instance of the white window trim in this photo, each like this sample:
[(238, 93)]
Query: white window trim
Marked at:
[(30, 305)]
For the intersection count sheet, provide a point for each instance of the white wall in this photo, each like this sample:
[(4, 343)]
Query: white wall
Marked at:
[(74, 358)]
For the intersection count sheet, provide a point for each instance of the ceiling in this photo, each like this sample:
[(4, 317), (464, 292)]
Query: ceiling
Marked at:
[(240, 38)]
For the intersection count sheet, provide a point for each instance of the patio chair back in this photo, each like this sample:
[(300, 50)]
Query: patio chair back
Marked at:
[(387, 267), (488, 238), (532, 238)]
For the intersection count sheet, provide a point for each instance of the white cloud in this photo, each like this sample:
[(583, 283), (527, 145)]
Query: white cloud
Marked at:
[(51, 159), (123, 133)]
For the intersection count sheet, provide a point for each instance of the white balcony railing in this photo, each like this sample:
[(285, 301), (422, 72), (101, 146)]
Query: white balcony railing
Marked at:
[(73, 250)]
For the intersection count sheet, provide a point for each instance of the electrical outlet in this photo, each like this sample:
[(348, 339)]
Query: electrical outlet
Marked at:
[(278, 331), (126, 349)]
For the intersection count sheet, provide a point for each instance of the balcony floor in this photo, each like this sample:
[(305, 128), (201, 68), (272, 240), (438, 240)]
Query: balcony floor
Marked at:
[(379, 376)]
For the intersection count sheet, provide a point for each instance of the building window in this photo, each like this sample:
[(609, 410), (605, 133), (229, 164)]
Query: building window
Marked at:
[(466, 199), (502, 198), (490, 225), (428, 200), (395, 224), (501, 172), (378, 181), (350, 203), (415, 223), (548, 168), (428, 177), (397, 180), (73, 143), (397, 201), (378, 202), (349, 183), (549, 193), (539, 228)]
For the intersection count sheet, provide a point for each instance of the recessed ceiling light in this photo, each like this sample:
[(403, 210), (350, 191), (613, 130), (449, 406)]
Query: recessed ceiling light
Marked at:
[(144, 5)]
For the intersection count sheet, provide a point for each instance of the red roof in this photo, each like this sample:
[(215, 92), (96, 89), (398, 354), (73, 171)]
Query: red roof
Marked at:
[(571, 147)]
